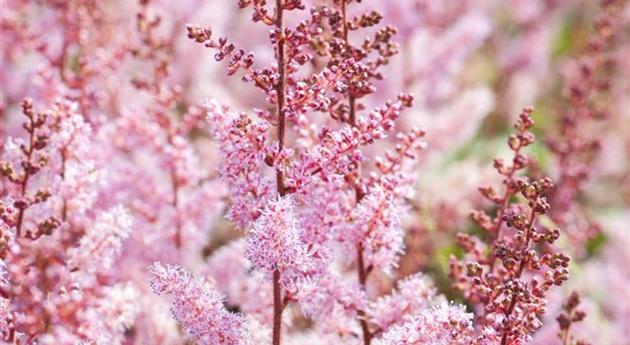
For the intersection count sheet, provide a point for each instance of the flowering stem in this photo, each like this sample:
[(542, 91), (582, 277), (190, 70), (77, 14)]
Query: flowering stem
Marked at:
[(565, 335), (361, 270), (497, 229), (504, 205), (367, 337), (175, 204), (27, 174), (280, 90), (521, 266), (64, 208), (277, 307), (528, 236), (351, 100)]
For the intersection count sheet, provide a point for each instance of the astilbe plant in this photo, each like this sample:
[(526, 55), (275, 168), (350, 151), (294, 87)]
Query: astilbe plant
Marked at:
[(197, 306), (587, 90), (114, 175), (327, 163), (505, 275), (62, 231), (54, 289)]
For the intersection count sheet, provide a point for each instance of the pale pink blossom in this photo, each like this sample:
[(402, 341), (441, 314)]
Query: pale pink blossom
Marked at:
[(101, 244), (413, 295), (275, 243), (445, 324), (378, 226), (197, 306), (114, 313)]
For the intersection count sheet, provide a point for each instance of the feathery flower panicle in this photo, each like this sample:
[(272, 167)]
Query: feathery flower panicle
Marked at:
[(102, 243), (588, 89), (381, 208), (113, 315), (315, 170), (33, 156), (274, 242), (197, 306), (413, 295), (52, 183), (445, 324), (339, 151), (70, 131), (498, 279), (242, 153), (73, 144), (378, 226)]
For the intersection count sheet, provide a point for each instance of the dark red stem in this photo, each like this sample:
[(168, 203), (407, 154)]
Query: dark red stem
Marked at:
[(280, 90)]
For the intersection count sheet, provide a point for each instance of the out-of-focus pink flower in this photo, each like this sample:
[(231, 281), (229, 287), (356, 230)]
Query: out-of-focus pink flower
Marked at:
[(114, 313), (236, 278), (242, 152), (101, 244)]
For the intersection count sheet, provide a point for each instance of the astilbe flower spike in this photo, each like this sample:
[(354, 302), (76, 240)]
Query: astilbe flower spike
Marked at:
[(61, 237), (441, 325), (274, 242), (301, 202), (378, 241), (588, 91), (333, 154), (197, 306), (102, 242), (512, 302), (33, 160), (570, 315)]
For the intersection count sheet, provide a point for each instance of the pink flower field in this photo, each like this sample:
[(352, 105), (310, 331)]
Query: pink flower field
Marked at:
[(315, 172)]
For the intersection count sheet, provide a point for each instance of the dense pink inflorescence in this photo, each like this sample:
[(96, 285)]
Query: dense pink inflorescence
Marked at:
[(512, 301), (441, 325), (286, 194), (274, 242), (197, 306)]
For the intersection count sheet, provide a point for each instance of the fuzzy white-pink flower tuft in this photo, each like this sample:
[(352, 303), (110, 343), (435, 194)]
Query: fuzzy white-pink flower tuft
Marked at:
[(274, 242), (102, 243), (414, 293), (442, 325), (378, 227), (197, 306)]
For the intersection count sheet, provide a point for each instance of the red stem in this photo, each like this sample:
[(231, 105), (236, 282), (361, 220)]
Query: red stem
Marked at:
[(64, 209), (352, 119), (175, 204), (280, 90), (277, 307)]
